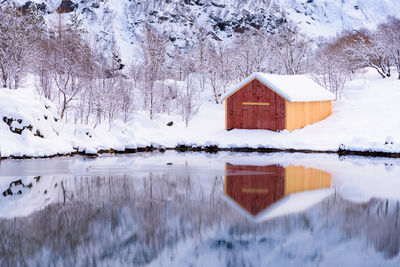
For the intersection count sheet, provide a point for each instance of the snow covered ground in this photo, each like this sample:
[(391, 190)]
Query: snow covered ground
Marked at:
[(366, 118), (29, 126)]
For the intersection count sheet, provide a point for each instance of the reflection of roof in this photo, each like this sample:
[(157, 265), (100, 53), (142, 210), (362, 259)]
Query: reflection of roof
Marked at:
[(294, 88), (257, 189), (292, 203)]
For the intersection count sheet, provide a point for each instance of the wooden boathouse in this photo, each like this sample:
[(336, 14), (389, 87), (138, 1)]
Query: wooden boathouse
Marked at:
[(276, 102)]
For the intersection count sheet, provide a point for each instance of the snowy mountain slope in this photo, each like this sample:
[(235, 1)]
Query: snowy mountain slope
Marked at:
[(182, 21), (122, 21), (328, 17)]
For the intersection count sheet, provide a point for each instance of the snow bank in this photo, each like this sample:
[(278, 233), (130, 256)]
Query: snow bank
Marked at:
[(28, 126), (363, 120)]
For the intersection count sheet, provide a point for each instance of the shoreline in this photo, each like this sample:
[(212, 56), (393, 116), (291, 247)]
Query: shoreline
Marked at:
[(216, 149)]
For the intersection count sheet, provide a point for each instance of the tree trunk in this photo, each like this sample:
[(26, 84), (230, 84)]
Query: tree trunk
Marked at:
[(64, 106), (4, 77)]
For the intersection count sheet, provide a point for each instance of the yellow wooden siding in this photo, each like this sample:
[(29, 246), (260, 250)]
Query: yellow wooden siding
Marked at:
[(300, 114), (299, 179)]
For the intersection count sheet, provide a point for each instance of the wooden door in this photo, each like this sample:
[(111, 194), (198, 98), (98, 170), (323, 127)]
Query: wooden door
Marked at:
[(259, 103), (264, 117), (279, 113), (246, 118)]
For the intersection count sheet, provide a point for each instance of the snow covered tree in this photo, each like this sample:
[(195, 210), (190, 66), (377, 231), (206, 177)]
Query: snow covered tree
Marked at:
[(249, 55), (154, 52), (388, 35), (364, 49), (43, 71), (108, 92), (293, 49), (71, 63), (112, 95), (252, 52), (20, 33), (188, 100), (200, 57), (330, 68), (219, 69)]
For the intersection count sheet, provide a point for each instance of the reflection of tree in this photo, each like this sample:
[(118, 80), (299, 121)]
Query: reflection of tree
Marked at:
[(131, 221), (377, 220), (107, 217)]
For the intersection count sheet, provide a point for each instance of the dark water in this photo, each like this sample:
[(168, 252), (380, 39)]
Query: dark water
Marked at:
[(197, 209)]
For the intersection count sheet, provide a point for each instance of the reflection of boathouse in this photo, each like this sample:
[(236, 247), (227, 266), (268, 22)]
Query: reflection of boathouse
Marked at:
[(255, 188)]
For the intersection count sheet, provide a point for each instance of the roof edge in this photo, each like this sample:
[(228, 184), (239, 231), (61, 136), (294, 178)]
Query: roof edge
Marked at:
[(259, 76), (238, 86)]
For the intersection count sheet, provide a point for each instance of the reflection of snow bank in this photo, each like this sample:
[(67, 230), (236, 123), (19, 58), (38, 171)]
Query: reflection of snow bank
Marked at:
[(354, 178), (36, 193)]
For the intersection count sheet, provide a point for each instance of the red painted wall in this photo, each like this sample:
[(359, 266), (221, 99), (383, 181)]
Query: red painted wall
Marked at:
[(241, 116)]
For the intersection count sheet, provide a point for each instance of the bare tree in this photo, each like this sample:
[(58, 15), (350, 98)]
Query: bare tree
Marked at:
[(20, 34), (363, 49), (331, 69), (200, 57), (219, 69), (187, 100), (71, 62), (251, 52), (388, 35), (43, 71), (293, 49), (154, 51)]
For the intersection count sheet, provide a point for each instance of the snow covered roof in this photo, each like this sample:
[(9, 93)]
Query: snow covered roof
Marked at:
[(294, 88)]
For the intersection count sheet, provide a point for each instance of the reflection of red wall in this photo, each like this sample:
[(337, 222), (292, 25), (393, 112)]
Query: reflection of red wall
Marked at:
[(254, 191)]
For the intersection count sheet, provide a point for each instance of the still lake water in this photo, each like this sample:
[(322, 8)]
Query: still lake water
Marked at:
[(199, 209)]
